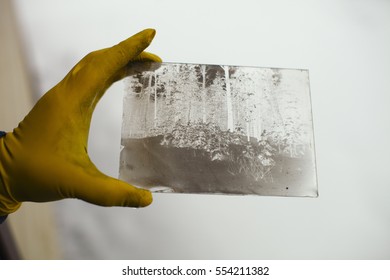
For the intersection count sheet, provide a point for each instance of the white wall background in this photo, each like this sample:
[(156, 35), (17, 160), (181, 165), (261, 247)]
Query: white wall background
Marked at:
[(344, 44)]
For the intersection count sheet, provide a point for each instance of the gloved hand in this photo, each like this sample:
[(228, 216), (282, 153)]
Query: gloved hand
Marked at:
[(46, 157)]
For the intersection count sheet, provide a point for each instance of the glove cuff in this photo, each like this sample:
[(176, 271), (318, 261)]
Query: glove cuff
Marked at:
[(8, 204)]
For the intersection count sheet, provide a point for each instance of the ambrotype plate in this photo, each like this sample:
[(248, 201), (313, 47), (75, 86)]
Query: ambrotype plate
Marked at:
[(190, 128)]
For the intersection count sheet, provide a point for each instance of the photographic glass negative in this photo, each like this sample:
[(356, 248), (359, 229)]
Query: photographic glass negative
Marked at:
[(191, 128)]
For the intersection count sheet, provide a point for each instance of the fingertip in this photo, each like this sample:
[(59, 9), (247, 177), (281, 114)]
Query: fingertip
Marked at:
[(145, 35), (150, 33), (154, 58), (147, 57), (130, 48), (133, 196), (146, 198)]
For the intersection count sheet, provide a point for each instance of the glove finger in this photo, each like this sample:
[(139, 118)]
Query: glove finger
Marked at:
[(89, 79), (113, 192), (143, 62), (92, 186), (111, 60), (146, 57), (120, 54)]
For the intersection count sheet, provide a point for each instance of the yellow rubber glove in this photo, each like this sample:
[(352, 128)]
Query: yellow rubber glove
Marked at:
[(46, 157)]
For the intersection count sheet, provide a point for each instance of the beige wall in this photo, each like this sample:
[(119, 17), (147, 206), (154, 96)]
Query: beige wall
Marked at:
[(33, 225)]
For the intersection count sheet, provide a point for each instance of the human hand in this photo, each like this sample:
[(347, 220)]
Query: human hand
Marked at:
[(46, 157)]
